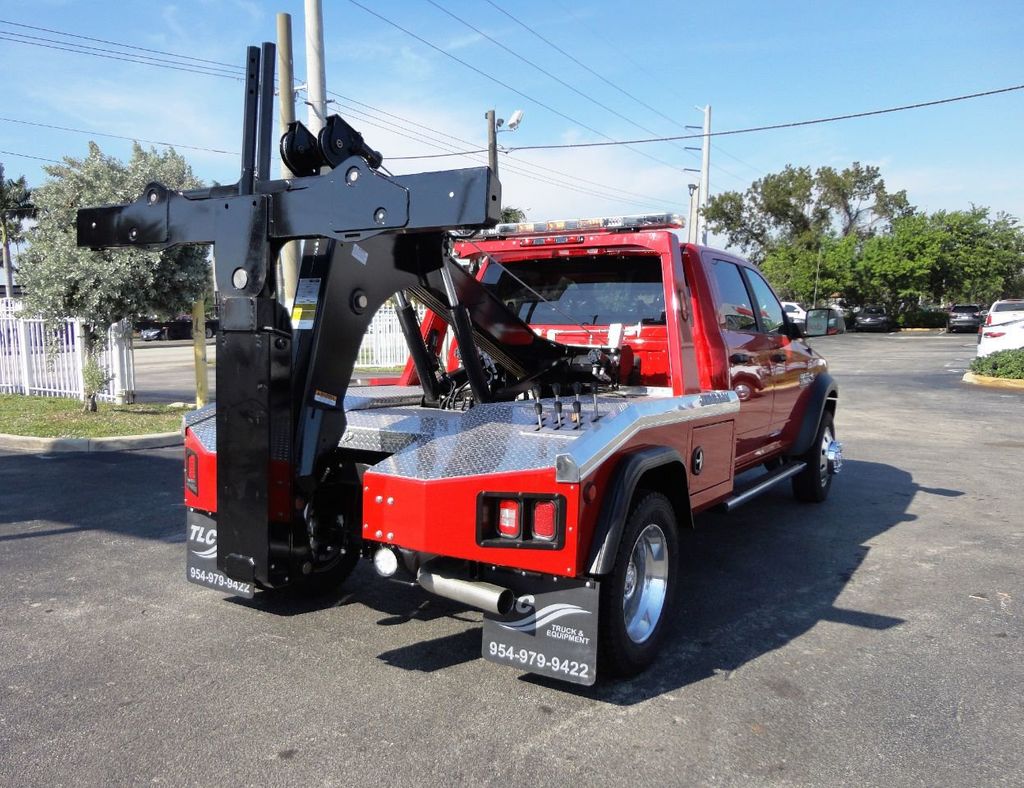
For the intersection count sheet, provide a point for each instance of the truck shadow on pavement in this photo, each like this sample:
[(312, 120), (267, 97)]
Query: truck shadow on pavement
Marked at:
[(753, 581)]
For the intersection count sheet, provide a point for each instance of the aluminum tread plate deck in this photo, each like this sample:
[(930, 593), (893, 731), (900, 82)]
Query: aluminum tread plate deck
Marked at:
[(203, 422), (502, 437), (429, 444)]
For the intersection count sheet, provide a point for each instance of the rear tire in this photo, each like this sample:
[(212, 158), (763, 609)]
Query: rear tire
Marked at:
[(813, 482), (638, 597)]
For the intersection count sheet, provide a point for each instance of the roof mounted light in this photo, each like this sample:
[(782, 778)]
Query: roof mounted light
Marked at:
[(647, 221)]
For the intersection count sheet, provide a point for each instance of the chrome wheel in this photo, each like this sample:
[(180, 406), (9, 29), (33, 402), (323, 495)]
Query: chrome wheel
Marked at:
[(646, 583), (827, 439)]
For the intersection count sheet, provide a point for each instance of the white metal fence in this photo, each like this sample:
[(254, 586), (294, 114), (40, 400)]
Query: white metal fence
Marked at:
[(384, 344), (46, 359)]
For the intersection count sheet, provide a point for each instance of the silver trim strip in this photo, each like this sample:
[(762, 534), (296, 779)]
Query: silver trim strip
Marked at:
[(606, 436)]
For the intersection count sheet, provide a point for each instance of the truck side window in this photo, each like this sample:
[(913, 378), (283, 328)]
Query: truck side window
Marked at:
[(735, 312), (768, 305)]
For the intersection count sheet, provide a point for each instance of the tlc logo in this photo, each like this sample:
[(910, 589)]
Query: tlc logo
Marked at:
[(203, 535)]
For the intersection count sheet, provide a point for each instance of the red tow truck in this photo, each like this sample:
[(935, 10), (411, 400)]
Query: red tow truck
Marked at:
[(605, 382)]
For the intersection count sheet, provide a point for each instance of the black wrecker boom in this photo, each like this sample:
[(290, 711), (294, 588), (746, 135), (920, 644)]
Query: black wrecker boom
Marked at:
[(281, 382)]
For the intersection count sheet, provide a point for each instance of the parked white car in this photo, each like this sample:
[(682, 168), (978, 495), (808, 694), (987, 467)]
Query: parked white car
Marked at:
[(1003, 328), (795, 312)]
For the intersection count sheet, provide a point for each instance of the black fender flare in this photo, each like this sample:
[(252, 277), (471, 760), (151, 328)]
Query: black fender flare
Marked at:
[(822, 390), (623, 483)]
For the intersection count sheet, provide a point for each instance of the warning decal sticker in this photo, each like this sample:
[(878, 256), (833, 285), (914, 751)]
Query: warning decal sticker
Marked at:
[(306, 296)]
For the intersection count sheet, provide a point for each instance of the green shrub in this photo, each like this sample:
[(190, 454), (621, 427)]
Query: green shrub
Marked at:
[(922, 319), (1003, 364)]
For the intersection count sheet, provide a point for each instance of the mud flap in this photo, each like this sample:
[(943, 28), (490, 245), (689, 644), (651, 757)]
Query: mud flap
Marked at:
[(552, 631), (201, 557)]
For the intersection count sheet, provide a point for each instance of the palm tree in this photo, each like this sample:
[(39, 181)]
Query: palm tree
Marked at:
[(15, 207)]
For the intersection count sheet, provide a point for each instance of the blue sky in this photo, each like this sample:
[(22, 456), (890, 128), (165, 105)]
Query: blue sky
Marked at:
[(756, 63)]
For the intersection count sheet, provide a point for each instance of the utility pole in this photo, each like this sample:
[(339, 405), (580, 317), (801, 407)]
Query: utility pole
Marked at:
[(492, 143), (5, 244), (199, 352), (705, 166), (289, 260), (691, 224), (316, 82)]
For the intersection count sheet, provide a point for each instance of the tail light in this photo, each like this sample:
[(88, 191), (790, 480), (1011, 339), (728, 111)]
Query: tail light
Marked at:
[(192, 471), (508, 519), (544, 521), (988, 319), (518, 519), (994, 334)]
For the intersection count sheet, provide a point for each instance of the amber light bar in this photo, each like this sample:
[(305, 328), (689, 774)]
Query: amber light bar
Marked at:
[(638, 221)]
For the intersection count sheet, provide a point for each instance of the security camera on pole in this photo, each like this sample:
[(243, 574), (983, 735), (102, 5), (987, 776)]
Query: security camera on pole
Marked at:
[(493, 127)]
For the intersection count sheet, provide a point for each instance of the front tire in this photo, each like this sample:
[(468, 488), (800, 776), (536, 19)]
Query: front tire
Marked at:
[(638, 597), (813, 483)]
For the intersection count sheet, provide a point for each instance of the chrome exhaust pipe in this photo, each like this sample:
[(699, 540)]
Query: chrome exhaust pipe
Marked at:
[(485, 596)]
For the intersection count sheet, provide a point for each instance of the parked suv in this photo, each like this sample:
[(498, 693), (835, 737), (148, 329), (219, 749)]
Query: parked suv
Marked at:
[(872, 318), (963, 316)]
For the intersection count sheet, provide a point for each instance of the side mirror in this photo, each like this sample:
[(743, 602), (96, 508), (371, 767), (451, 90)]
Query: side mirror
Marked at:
[(792, 330), (817, 322)]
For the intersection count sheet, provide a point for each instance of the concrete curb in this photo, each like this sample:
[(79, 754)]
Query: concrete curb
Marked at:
[(117, 443), (994, 383)]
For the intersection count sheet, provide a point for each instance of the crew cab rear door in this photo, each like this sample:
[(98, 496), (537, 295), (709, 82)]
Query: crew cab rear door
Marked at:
[(788, 359), (749, 351)]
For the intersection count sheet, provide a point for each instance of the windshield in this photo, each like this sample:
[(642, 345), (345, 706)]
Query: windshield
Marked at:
[(1008, 306), (966, 308), (874, 310), (589, 290)]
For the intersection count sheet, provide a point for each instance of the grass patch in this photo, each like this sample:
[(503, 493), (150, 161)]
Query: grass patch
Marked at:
[(377, 372), (53, 417)]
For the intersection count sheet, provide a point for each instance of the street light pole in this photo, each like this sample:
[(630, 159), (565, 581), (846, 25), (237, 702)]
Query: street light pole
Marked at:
[(691, 224)]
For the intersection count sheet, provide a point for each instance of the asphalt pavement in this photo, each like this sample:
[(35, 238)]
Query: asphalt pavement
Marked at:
[(875, 639), (165, 371)]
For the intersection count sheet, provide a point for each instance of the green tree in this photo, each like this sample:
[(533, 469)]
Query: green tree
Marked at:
[(980, 259), (15, 207), (105, 286), (512, 215), (799, 273), (895, 269), (801, 208)]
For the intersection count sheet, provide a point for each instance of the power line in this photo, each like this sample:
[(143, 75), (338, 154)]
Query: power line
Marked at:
[(774, 126), (602, 190), (27, 156), (543, 71), (46, 43), (86, 49), (7, 36), (608, 82), (580, 63), (738, 159), (117, 136), (119, 44), (435, 143), (491, 78)]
